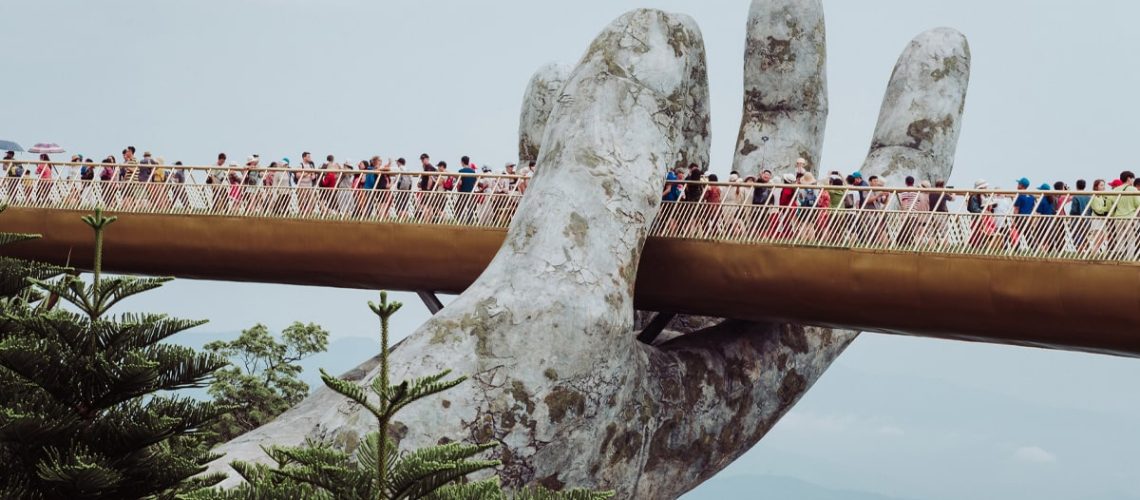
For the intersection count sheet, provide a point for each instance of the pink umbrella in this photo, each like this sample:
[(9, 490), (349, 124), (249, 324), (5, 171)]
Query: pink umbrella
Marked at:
[(50, 148)]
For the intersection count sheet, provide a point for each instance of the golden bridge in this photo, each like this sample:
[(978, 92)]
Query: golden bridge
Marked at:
[(1053, 281)]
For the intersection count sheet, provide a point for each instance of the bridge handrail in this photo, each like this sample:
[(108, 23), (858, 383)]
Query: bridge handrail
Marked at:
[(948, 228), (490, 175)]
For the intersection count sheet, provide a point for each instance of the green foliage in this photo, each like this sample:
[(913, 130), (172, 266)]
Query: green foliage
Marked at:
[(262, 379), (377, 469), (86, 407)]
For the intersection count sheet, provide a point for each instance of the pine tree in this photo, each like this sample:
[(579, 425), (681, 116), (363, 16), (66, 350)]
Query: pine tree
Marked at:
[(17, 298), (95, 417), (377, 470)]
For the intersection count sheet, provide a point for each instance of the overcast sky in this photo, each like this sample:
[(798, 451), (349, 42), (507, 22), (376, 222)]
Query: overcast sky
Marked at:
[(1052, 97)]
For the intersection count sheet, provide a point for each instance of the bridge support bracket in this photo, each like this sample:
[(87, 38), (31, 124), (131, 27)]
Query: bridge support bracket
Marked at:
[(655, 327), (431, 301)]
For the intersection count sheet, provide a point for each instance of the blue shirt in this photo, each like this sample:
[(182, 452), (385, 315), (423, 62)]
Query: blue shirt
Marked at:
[(1024, 204), (1046, 207), (674, 192), (467, 184), (1080, 205), (369, 180)]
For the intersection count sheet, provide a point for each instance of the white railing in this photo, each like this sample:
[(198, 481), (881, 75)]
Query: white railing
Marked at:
[(895, 219)]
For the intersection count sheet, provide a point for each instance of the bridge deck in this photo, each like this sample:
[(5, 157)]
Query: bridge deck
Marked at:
[(1067, 304)]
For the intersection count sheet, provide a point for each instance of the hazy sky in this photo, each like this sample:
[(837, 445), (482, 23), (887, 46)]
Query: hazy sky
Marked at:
[(1052, 96)]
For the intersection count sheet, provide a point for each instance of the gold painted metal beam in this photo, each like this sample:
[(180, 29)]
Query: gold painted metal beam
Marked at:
[(1092, 307)]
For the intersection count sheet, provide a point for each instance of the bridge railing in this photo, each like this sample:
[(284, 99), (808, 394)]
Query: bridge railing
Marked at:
[(946, 221)]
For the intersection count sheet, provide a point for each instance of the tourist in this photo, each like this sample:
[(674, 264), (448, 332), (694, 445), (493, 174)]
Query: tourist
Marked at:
[(128, 175), (506, 185), (366, 186), (1127, 206), (526, 174), (910, 202), (345, 202), (444, 182), (986, 233), (693, 188), (466, 189), (385, 183), (712, 196), (801, 169), (234, 179), (427, 182), (305, 164), (218, 175), (327, 183), (145, 166), (43, 178), (158, 193), (404, 184), (178, 178), (1024, 205), (856, 180), (276, 182), (307, 181), (762, 194), (734, 197), (672, 191), (14, 171), (1042, 227), (808, 201), (81, 190)]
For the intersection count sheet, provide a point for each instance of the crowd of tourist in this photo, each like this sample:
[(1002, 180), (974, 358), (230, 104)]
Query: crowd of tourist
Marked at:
[(796, 204), (333, 187), (808, 208)]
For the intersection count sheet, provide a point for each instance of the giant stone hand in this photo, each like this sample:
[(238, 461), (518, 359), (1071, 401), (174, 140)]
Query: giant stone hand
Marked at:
[(547, 332)]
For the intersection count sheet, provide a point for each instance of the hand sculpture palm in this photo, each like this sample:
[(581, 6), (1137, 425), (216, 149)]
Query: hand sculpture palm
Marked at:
[(547, 332)]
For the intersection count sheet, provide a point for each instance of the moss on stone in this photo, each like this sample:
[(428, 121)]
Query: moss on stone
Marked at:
[(522, 395), (562, 401)]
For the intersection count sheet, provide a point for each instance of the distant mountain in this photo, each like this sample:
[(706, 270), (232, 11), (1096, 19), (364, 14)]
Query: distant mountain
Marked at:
[(763, 487)]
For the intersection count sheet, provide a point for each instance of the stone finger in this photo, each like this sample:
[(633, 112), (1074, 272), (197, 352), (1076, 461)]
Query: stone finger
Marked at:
[(921, 116), (785, 87)]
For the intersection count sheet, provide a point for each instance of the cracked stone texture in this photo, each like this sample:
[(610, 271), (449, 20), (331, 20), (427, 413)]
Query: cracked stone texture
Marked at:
[(548, 332), (921, 117), (785, 87), (542, 92)]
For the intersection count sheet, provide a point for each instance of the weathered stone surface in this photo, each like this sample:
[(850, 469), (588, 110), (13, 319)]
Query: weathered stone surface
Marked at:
[(542, 92), (785, 87), (921, 117)]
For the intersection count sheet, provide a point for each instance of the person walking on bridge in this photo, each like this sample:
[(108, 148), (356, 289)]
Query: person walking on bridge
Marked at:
[(466, 189), (1023, 208), (1125, 213)]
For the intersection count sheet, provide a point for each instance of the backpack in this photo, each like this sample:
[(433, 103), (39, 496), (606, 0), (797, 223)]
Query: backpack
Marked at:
[(448, 183)]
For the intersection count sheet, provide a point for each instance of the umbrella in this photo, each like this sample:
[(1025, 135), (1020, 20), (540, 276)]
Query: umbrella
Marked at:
[(10, 146), (50, 148)]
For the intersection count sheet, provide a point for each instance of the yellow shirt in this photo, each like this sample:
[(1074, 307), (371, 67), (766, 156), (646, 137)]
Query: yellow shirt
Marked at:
[(1127, 206)]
